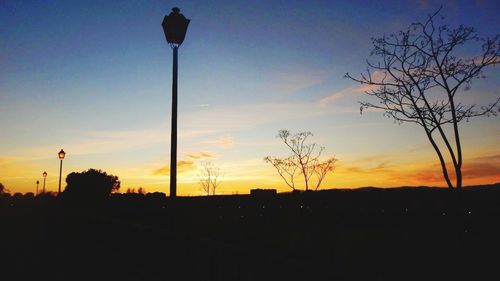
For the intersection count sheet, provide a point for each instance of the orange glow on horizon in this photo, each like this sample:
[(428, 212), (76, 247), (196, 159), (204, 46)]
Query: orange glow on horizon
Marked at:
[(475, 172)]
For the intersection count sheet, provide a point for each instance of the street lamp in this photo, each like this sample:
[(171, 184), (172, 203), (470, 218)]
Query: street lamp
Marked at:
[(44, 178), (174, 26), (37, 183), (61, 155)]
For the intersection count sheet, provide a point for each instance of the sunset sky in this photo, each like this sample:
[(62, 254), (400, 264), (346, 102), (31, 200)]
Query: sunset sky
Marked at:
[(94, 78)]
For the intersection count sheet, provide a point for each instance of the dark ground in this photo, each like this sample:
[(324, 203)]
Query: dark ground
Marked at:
[(397, 234)]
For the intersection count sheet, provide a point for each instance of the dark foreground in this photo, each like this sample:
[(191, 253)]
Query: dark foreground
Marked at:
[(407, 234)]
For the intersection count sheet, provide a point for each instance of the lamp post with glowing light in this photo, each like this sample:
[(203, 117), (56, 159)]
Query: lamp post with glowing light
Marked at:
[(174, 26), (61, 155), (44, 178)]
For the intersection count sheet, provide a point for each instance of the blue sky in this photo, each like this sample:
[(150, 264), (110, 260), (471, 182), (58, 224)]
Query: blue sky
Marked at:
[(94, 78)]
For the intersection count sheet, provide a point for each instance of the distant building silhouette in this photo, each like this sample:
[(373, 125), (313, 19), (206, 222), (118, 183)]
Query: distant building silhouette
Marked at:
[(258, 192)]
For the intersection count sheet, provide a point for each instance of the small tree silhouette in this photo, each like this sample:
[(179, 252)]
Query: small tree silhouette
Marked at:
[(3, 189), (140, 191), (91, 185), (304, 161), (209, 178)]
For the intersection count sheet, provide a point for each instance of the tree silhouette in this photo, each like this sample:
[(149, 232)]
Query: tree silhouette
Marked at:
[(304, 161), (91, 184), (417, 77), (209, 178), (140, 191), (3, 189)]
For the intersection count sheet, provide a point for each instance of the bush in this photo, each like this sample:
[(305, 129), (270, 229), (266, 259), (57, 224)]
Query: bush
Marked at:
[(91, 185)]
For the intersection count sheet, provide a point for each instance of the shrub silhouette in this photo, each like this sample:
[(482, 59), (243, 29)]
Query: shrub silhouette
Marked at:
[(91, 185), (3, 189)]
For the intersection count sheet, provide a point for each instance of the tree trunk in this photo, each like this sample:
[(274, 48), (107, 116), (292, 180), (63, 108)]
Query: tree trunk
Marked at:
[(458, 172), (305, 176), (441, 160)]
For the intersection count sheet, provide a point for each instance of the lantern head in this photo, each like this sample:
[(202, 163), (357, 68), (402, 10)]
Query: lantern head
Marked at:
[(175, 26), (61, 154)]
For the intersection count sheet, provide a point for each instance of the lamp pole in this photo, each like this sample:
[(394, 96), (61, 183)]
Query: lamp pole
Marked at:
[(173, 133), (175, 27), (44, 178), (37, 183), (61, 155)]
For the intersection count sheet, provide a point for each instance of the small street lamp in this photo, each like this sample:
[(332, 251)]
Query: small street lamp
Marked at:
[(37, 183), (174, 26), (61, 155), (44, 178)]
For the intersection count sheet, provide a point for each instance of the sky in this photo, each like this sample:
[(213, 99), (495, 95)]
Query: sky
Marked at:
[(94, 78)]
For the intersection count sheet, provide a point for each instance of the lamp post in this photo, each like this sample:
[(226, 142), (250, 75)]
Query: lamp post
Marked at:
[(174, 26), (61, 155), (44, 178), (37, 183)]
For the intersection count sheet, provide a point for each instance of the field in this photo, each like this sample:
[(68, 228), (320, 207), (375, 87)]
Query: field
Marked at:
[(368, 234)]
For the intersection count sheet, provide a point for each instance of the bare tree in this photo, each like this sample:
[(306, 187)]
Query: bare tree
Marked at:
[(322, 169), (286, 167), (304, 161), (417, 77), (209, 178)]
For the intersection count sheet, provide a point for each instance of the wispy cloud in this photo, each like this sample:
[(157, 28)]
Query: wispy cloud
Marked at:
[(423, 3), (290, 82), (379, 168), (347, 92), (95, 142), (183, 166), (352, 91), (200, 155), (194, 133), (98, 142), (186, 165), (199, 105), (483, 168), (11, 168), (225, 142), (246, 116)]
